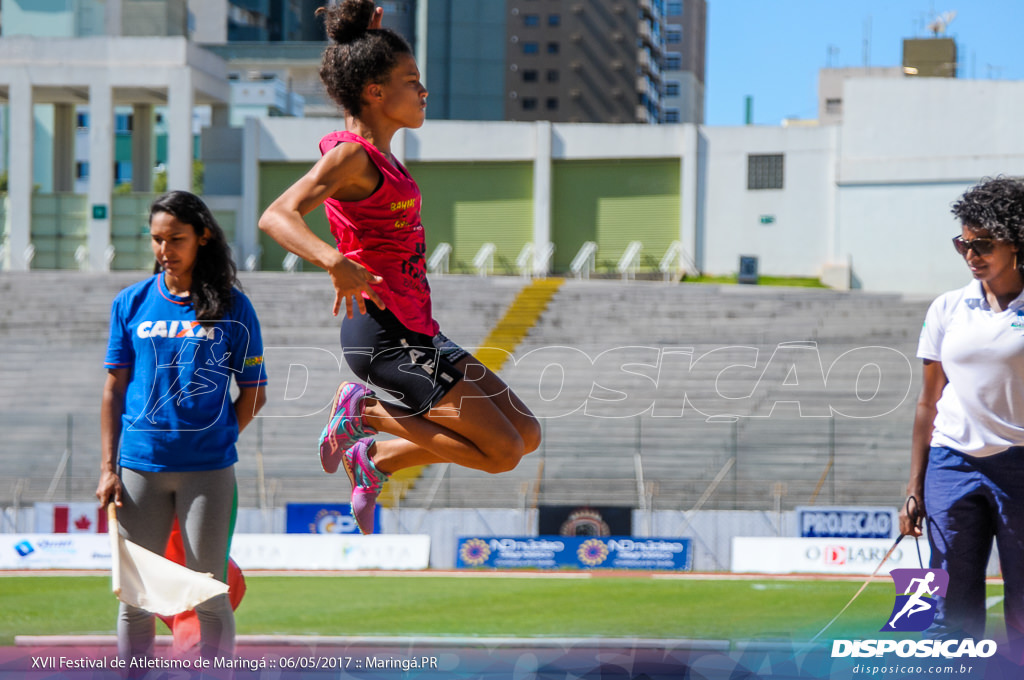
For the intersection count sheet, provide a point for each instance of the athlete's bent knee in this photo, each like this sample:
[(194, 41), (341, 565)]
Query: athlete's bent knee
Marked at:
[(506, 456), (531, 435), (503, 464)]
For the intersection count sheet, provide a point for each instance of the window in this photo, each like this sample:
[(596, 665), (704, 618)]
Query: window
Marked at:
[(82, 169), (671, 115), (671, 88), (529, 103), (530, 75), (531, 20), (123, 172), (552, 103), (673, 61), (553, 48), (554, 20), (765, 171), (82, 120), (552, 75), (531, 48), (834, 106), (674, 9), (123, 123), (674, 35)]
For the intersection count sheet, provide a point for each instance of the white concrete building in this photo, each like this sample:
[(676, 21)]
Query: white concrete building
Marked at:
[(101, 73), (861, 203)]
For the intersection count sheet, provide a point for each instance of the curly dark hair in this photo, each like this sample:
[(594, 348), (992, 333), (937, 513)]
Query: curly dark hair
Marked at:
[(997, 205), (214, 275), (359, 56)]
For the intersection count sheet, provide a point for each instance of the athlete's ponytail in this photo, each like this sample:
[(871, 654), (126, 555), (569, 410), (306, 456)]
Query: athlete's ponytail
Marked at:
[(358, 55), (214, 273), (348, 21)]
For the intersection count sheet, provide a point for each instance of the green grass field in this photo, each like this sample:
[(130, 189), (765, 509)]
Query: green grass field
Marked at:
[(614, 606)]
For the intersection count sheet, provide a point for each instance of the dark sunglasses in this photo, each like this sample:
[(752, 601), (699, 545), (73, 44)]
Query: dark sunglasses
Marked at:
[(981, 246)]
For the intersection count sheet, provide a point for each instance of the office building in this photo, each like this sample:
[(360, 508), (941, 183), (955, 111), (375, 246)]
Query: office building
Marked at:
[(682, 95), (594, 62)]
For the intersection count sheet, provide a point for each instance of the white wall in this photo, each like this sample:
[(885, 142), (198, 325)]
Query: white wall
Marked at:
[(898, 237), (798, 242), (909, 149), (208, 21)]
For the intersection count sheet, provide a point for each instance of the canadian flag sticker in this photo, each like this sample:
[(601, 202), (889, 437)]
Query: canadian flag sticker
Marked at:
[(70, 518)]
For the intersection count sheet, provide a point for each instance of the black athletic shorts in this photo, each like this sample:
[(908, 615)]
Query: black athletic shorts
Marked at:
[(414, 368)]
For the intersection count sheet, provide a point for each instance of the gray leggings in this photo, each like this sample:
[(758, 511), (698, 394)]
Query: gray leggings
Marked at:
[(205, 503)]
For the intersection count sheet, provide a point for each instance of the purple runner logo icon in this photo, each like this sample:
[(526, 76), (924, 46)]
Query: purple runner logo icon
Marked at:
[(916, 590)]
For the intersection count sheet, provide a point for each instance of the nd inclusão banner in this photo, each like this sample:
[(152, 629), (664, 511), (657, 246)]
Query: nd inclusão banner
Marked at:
[(323, 518), (574, 552)]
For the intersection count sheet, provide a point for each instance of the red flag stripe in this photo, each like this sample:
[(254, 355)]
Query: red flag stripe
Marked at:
[(60, 519)]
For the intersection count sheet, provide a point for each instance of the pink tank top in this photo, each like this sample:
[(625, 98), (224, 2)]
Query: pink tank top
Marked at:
[(384, 234)]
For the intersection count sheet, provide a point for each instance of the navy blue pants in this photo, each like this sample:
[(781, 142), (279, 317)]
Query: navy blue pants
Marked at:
[(969, 502)]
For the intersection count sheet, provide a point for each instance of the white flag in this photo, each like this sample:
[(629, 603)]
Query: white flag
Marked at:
[(149, 581)]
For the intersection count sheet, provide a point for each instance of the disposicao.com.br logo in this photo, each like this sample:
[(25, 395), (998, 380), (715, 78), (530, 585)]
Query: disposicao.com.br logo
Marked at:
[(914, 610)]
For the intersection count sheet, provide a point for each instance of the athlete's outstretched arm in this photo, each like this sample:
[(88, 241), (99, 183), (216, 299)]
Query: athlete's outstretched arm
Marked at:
[(344, 172)]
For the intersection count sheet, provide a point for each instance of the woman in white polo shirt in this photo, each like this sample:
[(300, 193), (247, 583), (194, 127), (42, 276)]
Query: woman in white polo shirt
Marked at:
[(967, 460)]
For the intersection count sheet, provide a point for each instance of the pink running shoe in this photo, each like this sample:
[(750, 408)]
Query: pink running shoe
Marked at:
[(345, 426), (367, 482)]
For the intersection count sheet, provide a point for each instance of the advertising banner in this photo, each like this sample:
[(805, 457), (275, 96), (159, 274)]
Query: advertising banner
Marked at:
[(54, 551), (584, 520), (250, 551), (330, 551), (323, 518), (847, 522), (574, 552), (758, 555)]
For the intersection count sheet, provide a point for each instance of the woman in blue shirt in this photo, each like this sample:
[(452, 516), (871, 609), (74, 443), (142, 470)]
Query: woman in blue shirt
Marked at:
[(168, 424)]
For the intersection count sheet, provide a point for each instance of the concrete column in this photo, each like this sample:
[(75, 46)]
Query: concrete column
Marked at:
[(220, 115), (19, 176), (689, 198), (541, 196), (422, 23), (247, 233), (63, 148), (143, 147), (179, 131), (837, 270), (113, 22), (101, 171)]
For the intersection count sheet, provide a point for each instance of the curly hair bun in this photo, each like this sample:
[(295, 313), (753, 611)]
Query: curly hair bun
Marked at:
[(347, 21)]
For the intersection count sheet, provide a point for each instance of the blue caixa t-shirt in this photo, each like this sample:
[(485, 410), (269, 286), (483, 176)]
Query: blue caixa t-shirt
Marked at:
[(178, 413)]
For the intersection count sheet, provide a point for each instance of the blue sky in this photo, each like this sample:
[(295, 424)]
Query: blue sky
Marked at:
[(772, 49)]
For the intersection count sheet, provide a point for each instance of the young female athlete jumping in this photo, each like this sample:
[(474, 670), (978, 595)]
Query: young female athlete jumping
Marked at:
[(453, 409)]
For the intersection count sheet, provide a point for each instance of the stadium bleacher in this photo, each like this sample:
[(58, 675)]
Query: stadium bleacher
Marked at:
[(607, 367), (604, 453)]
